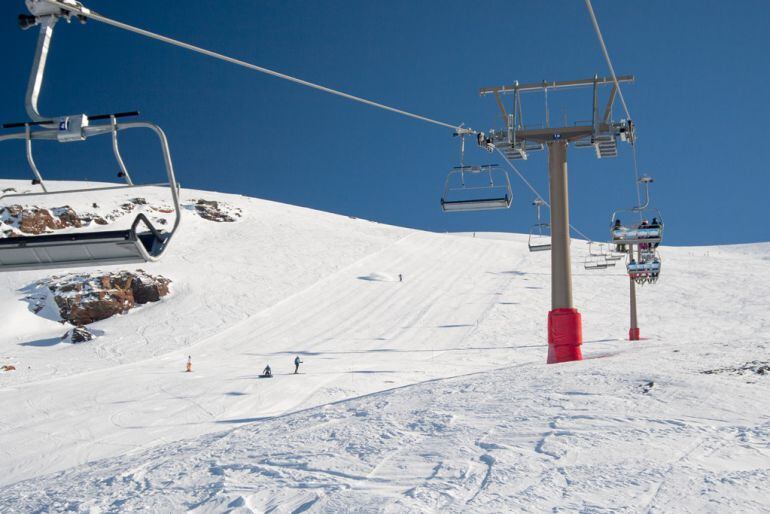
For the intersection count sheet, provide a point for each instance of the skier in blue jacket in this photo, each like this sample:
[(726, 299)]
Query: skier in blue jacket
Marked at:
[(297, 362)]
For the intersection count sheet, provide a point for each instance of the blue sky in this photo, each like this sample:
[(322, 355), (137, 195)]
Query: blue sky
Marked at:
[(698, 102)]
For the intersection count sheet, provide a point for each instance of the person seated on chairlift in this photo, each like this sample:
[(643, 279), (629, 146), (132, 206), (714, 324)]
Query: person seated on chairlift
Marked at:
[(655, 225), (617, 229), (643, 233)]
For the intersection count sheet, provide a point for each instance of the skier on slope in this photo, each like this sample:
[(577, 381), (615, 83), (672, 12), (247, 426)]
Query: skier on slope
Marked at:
[(297, 362), (267, 372)]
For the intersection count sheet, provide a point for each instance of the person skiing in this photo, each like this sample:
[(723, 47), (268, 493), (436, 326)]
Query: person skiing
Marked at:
[(297, 362), (188, 368), (400, 277), (267, 372)]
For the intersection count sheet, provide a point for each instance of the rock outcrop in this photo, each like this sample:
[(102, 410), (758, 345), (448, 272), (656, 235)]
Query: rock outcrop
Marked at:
[(18, 220), (216, 211), (77, 335), (83, 298)]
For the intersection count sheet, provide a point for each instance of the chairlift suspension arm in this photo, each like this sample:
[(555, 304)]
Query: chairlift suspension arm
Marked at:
[(31, 159), (116, 151), (595, 107), (35, 83)]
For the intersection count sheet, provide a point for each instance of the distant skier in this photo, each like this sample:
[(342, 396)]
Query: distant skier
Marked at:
[(400, 277), (267, 372), (297, 362), (188, 368)]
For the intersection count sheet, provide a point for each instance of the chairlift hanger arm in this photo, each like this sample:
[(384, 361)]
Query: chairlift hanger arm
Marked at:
[(86, 13)]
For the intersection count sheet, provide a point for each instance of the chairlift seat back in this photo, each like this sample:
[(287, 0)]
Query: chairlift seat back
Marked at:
[(539, 238), (482, 204), (637, 235), (82, 248), (539, 247)]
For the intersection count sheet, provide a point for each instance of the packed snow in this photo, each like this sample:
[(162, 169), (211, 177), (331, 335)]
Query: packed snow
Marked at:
[(422, 395)]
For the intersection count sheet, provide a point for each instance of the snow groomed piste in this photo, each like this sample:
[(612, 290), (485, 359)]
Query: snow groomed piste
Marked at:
[(127, 428)]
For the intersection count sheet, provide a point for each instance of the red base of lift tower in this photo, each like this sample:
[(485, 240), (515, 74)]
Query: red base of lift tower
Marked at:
[(633, 334), (565, 335)]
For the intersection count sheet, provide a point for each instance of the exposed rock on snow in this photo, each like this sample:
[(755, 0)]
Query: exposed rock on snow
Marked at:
[(22, 219), (83, 298), (756, 367), (77, 335), (34, 220), (216, 211)]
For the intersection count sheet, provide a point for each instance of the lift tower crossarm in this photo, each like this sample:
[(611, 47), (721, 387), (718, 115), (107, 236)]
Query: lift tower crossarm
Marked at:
[(540, 86)]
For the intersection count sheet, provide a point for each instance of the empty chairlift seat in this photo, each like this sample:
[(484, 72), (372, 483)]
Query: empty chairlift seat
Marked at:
[(476, 188), (84, 248), (540, 238), (540, 234), (140, 243)]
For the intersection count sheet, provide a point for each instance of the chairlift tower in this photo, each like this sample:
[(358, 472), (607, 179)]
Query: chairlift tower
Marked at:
[(640, 243), (516, 140)]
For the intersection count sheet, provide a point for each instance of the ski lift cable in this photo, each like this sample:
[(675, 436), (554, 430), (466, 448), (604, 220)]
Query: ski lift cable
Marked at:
[(617, 86), (537, 194), (80, 11), (607, 56)]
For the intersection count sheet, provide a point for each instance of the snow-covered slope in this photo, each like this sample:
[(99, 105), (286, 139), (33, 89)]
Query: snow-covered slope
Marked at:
[(375, 422)]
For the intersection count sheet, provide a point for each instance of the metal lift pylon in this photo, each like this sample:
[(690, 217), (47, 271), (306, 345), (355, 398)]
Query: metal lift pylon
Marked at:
[(565, 332)]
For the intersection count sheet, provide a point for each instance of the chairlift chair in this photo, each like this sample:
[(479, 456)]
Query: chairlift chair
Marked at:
[(596, 263), (644, 271), (479, 196), (140, 243), (474, 188), (540, 233), (613, 254), (597, 257), (637, 233)]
